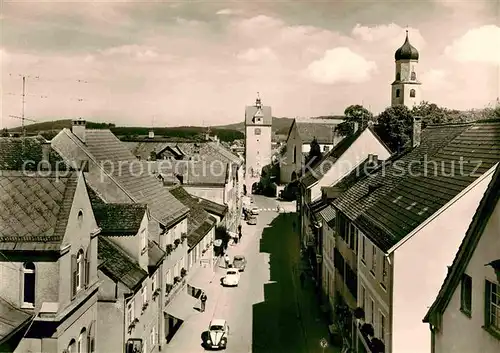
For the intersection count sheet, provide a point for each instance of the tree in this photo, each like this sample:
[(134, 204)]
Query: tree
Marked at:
[(394, 126), (431, 113), (4, 133), (354, 114), (314, 153)]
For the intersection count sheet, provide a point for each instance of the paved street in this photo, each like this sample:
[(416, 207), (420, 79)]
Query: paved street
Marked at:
[(268, 312)]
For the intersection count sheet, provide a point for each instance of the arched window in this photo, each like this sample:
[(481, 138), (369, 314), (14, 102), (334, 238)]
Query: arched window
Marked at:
[(81, 341), (413, 76), (77, 272), (29, 284), (412, 93), (71, 346), (294, 175), (295, 154), (80, 217), (398, 76), (257, 131), (398, 93)]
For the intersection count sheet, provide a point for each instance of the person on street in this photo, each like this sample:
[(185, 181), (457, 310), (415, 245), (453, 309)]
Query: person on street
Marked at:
[(239, 229), (240, 235), (203, 300), (302, 279), (226, 259)]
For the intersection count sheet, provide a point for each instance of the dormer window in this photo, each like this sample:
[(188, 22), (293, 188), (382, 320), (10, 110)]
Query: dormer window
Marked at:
[(29, 285)]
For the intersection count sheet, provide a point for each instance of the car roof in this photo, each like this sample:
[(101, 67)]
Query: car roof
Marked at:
[(217, 322), (238, 257)]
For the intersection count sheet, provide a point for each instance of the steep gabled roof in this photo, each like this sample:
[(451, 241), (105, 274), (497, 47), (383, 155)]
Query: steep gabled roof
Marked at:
[(251, 111), (105, 146), (323, 132), (481, 218), (12, 321), (35, 208), (406, 190), (118, 265), (213, 207)]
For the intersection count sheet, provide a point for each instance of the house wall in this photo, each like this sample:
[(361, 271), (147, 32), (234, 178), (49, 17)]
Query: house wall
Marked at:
[(287, 165), (459, 332), (417, 279), (257, 147), (215, 194), (328, 274), (364, 145), (324, 147)]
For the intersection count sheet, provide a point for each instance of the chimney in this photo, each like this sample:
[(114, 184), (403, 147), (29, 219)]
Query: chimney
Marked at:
[(78, 129), (416, 135), (207, 137), (372, 159), (151, 134), (355, 127), (45, 165)]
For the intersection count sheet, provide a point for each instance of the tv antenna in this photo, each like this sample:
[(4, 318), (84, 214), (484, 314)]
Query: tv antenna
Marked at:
[(23, 119)]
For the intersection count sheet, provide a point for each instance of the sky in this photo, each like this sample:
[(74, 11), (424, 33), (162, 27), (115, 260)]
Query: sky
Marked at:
[(172, 63)]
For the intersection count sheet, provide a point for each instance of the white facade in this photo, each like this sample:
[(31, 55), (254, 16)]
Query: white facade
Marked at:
[(420, 266)]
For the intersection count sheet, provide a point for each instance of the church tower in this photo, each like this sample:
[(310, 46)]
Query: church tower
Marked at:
[(406, 86), (258, 131)]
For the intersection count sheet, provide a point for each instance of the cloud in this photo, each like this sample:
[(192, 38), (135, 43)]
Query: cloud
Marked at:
[(257, 55), (135, 52), (480, 45), (391, 35), (340, 65), (226, 12), (434, 79)]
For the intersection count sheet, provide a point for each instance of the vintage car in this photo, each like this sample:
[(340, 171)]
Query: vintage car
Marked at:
[(218, 330), (239, 262), (252, 220), (254, 211), (232, 278)]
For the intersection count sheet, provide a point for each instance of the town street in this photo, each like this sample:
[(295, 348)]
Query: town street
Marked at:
[(268, 312)]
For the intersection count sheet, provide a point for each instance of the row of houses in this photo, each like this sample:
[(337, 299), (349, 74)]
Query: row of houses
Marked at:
[(405, 247), (97, 254)]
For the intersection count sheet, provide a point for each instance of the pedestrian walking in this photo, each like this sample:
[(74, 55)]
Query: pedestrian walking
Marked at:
[(226, 259), (302, 279), (239, 229), (240, 235), (203, 300)]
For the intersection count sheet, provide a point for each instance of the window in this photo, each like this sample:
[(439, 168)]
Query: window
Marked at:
[(372, 311), (154, 283), (152, 336), (398, 76), (144, 240), (71, 346), (257, 131), (80, 346), (130, 312), (295, 154), (398, 93), (492, 296), (326, 148), (80, 218), (413, 76), (363, 248), (29, 284), (374, 260), (169, 276), (78, 272), (466, 294), (381, 334), (412, 93), (362, 294), (144, 295), (385, 270)]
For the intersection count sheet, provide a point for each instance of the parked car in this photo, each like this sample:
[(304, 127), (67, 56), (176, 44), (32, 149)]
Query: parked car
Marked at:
[(255, 211), (252, 220), (257, 188), (239, 262), (232, 278), (218, 331)]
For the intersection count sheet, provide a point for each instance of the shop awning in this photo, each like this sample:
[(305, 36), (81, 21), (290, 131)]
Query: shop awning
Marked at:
[(182, 306)]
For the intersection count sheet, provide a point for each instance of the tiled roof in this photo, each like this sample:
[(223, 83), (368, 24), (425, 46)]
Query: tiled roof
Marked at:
[(35, 208), (328, 214), (391, 202), (490, 200), (123, 181), (213, 207), (250, 112), (105, 146), (118, 265), (324, 133), (328, 161), (207, 171), (11, 320), (199, 221), (119, 218), (155, 255), (219, 149), (14, 152)]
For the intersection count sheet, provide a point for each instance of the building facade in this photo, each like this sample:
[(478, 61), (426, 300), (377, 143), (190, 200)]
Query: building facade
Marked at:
[(258, 133), (406, 88)]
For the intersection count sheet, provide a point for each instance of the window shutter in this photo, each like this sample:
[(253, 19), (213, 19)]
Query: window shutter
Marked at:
[(73, 275), (87, 268)]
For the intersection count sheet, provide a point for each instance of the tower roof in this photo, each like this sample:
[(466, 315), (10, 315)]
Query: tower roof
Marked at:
[(406, 51)]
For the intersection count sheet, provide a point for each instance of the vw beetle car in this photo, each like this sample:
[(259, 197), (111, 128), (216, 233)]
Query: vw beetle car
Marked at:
[(252, 220), (218, 330), (232, 278)]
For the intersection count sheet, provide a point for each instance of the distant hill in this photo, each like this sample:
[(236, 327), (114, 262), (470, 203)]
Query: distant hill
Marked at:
[(278, 125)]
